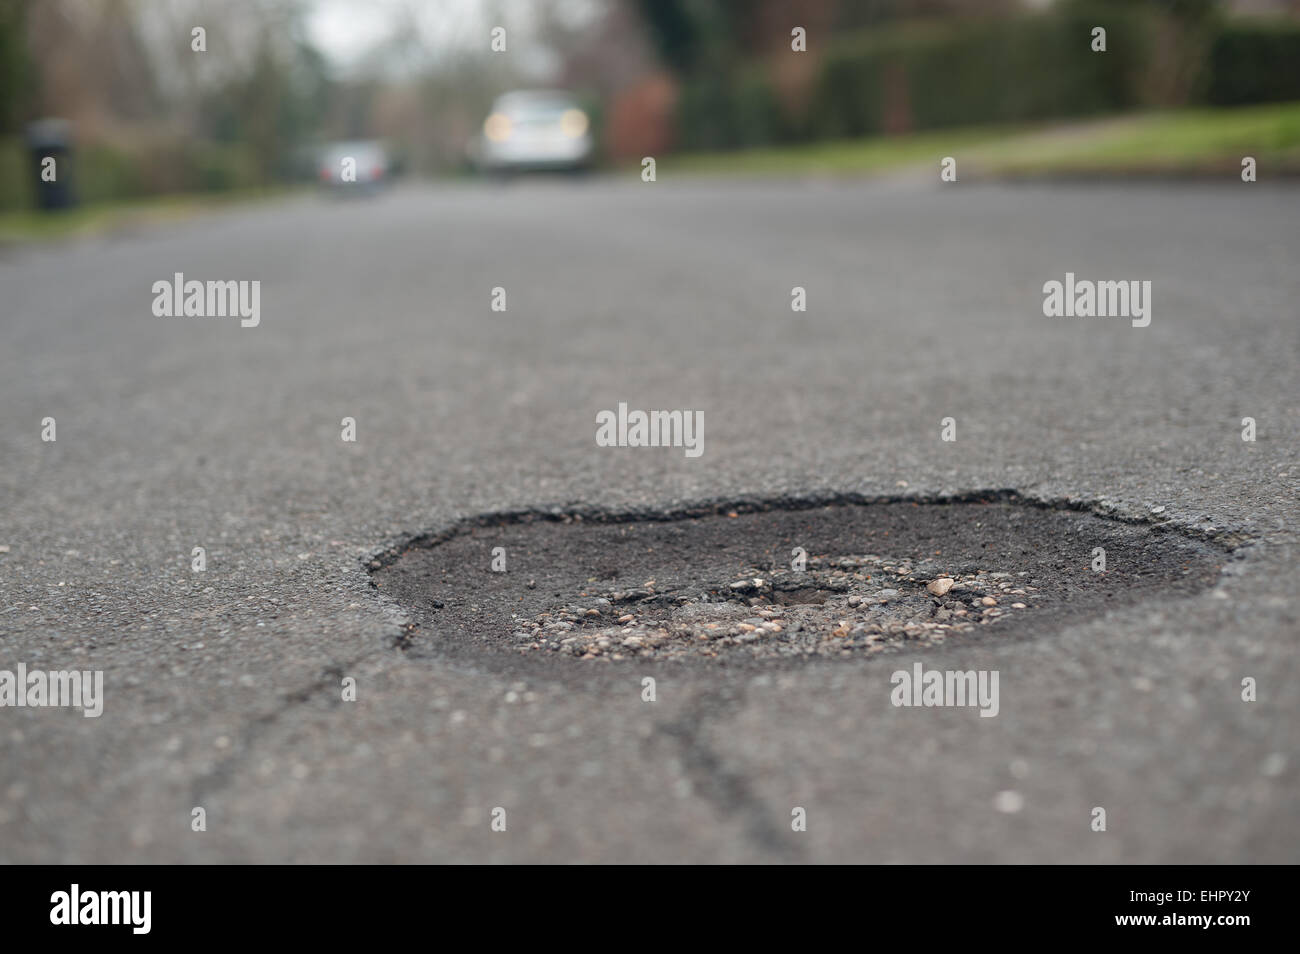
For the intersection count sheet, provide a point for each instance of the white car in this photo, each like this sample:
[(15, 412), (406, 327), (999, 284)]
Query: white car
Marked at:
[(535, 129), (361, 165)]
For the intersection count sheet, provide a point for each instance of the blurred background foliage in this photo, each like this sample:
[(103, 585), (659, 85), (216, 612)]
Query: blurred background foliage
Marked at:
[(152, 117), (879, 75)]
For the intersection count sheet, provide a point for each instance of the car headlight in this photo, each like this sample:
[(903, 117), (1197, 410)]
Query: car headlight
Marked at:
[(573, 123), (497, 127)]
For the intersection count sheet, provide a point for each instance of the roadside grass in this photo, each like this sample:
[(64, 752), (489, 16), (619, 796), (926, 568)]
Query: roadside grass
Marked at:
[(841, 156), (1191, 142), (30, 225), (1176, 143)]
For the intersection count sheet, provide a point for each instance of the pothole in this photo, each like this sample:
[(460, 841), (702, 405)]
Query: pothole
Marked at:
[(785, 580)]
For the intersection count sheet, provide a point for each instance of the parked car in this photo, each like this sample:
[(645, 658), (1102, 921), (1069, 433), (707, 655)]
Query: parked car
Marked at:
[(534, 130), (360, 165)]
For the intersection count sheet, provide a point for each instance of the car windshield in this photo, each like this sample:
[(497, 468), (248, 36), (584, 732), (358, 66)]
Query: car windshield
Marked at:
[(534, 108), (363, 153)]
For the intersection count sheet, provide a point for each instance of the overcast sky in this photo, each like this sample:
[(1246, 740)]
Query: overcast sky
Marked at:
[(345, 30)]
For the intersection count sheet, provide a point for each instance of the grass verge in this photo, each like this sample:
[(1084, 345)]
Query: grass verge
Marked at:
[(1178, 143), (30, 225)]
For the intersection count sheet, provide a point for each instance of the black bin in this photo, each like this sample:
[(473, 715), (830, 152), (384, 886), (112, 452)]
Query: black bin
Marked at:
[(51, 139)]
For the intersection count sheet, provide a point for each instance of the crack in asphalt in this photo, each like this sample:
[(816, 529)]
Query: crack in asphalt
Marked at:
[(728, 792), (252, 732)]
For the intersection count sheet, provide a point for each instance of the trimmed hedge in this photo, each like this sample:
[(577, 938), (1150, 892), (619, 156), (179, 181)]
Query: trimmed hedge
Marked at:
[(931, 75), (723, 112), (937, 74), (102, 172), (15, 189), (1254, 63), (1024, 69)]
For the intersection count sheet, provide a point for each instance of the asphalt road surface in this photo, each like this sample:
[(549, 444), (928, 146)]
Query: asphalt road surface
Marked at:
[(222, 688)]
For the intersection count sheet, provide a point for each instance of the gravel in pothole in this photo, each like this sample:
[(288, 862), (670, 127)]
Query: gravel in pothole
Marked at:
[(721, 583), (838, 605)]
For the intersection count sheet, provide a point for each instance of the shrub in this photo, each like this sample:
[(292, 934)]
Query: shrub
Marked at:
[(1254, 63)]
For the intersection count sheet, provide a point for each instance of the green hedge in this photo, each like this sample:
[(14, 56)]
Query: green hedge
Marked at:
[(1254, 63), (1023, 69), (946, 73), (102, 172), (722, 112), (937, 74), (15, 190)]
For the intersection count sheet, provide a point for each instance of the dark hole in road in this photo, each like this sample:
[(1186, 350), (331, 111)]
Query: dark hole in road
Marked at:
[(777, 580), (804, 596)]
